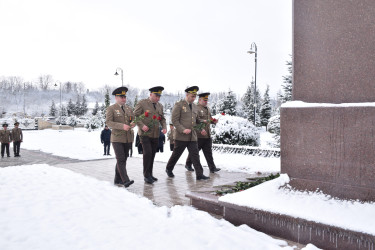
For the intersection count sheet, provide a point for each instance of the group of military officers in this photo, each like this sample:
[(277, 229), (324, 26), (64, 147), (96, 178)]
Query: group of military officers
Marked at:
[(148, 115), (7, 136)]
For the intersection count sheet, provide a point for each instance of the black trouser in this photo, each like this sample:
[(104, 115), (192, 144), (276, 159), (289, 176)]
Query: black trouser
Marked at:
[(122, 153), (206, 145), (107, 146), (16, 147), (179, 148), (171, 146), (140, 149), (3, 146), (149, 146)]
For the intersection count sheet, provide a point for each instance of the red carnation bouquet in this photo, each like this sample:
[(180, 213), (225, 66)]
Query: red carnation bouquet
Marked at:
[(151, 124)]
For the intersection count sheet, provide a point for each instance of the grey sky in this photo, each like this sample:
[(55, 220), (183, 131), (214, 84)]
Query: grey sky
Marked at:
[(169, 42)]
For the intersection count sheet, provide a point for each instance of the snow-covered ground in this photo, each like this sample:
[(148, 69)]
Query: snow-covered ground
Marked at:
[(42, 207), (352, 215), (83, 145)]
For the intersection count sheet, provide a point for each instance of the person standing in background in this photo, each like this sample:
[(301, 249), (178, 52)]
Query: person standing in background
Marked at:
[(105, 138), (171, 136), (17, 137), (161, 142), (5, 139)]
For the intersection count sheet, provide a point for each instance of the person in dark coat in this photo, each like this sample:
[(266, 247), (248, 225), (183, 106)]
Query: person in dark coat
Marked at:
[(105, 138), (161, 142), (138, 144)]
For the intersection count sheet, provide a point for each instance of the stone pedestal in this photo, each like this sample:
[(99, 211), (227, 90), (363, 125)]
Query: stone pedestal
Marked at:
[(331, 147)]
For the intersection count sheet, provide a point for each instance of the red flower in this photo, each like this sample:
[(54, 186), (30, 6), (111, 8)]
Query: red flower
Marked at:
[(223, 113), (154, 117), (159, 118), (146, 114)]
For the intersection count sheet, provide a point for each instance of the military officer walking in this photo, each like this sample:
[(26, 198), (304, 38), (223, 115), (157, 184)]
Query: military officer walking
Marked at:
[(149, 135), (17, 137), (204, 141), (184, 118), (119, 117), (5, 139)]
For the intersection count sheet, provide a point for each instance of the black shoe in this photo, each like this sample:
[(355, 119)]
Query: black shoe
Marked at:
[(154, 178), (149, 180), (8, 155), (117, 182), (169, 173), (128, 183), (215, 170), (109, 154), (202, 177), (189, 168)]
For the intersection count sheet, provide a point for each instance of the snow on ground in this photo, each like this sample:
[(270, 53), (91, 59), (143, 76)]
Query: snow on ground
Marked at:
[(83, 145), (352, 215), (42, 207)]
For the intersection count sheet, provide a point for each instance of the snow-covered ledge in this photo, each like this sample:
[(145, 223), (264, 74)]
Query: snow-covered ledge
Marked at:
[(272, 197), (301, 104)]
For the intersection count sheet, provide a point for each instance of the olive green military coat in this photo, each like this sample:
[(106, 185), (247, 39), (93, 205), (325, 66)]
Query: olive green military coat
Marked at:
[(146, 105), (17, 134), (116, 118), (5, 136), (204, 113), (184, 118)]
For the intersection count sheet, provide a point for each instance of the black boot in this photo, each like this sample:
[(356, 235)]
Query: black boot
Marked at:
[(169, 173), (202, 177), (149, 180), (215, 170), (189, 168), (128, 183)]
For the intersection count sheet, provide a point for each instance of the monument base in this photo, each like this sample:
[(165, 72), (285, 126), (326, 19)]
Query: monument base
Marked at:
[(330, 147)]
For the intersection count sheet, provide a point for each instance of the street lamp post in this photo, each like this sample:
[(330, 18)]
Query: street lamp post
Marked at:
[(253, 50), (60, 101), (122, 76)]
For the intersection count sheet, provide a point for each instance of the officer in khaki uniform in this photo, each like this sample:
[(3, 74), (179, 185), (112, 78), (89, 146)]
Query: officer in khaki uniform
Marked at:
[(119, 118), (184, 118), (5, 139), (204, 141), (149, 136), (17, 137), (171, 136)]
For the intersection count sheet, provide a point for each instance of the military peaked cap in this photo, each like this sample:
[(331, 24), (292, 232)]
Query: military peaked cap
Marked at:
[(157, 90), (192, 90), (121, 91)]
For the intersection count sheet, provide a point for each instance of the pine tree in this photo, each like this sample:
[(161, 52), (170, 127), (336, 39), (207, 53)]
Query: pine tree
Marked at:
[(70, 108), (106, 99), (63, 111), (228, 105), (52, 109), (77, 108), (288, 84), (248, 104), (266, 108), (96, 108), (83, 108), (135, 100)]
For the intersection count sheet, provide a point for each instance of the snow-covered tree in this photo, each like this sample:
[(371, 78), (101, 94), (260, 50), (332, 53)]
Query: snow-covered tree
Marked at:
[(83, 107), (77, 108), (228, 104), (248, 104), (288, 84), (107, 100), (274, 127), (70, 108), (52, 109), (135, 100), (96, 108), (266, 108), (72, 121), (95, 121), (234, 130)]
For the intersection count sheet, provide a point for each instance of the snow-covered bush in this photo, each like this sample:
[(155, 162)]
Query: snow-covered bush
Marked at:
[(63, 120), (234, 130), (274, 127), (95, 121), (72, 121)]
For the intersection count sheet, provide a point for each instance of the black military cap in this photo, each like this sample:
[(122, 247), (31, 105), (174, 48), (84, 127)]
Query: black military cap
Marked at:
[(5, 125), (192, 90), (171, 124), (157, 90), (204, 95), (16, 123), (120, 91)]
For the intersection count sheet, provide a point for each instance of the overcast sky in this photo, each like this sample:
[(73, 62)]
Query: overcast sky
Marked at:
[(156, 42)]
